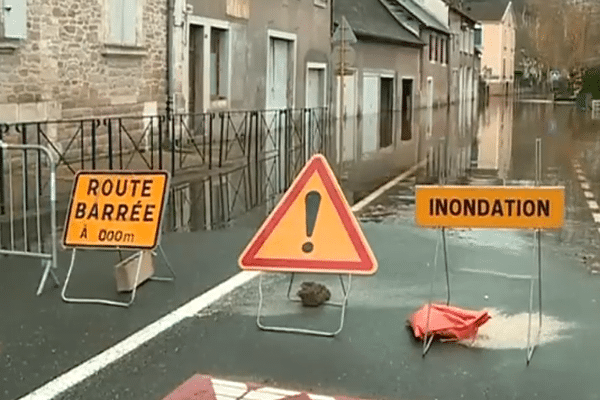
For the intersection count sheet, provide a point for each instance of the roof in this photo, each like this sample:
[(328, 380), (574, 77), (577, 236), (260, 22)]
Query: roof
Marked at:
[(490, 10), (463, 13), (370, 20), (424, 16)]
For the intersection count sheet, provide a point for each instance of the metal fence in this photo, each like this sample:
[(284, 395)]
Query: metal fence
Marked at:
[(28, 220), (230, 161)]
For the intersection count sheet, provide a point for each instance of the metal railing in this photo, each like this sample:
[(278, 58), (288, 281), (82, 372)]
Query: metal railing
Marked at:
[(240, 158)]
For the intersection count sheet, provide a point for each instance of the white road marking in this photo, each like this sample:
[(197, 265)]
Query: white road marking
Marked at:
[(378, 192), (95, 364), (592, 204), (588, 194), (579, 170), (126, 346), (585, 185), (581, 178), (596, 217)]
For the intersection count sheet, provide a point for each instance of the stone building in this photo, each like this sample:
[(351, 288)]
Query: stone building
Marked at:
[(65, 59)]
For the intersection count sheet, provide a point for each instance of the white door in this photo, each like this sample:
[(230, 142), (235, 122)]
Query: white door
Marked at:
[(315, 98), (278, 85), (370, 108), (347, 139)]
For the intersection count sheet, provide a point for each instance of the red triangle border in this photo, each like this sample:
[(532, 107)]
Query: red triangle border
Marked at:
[(365, 265)]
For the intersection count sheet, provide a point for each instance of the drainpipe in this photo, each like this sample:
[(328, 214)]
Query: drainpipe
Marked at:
[(169, 61)]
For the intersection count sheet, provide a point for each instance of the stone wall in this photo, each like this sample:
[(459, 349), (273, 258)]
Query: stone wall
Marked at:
[(65, 68)]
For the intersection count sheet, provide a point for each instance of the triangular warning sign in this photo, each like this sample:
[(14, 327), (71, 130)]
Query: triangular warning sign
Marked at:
[(312, 229)]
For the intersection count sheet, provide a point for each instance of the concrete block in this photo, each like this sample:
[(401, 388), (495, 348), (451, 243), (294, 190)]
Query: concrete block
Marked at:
[(126, 270)]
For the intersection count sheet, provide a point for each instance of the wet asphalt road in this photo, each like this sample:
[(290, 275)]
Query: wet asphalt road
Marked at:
[(374, 356)]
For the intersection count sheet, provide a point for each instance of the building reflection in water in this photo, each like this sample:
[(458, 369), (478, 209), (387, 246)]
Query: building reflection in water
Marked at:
[(448, 148), (492, 155)]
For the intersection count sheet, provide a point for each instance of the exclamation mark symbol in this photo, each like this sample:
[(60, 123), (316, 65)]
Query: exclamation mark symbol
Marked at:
[(311, 202)]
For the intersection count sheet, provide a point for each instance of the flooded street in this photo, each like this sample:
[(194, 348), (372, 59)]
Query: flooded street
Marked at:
[(497, 147)]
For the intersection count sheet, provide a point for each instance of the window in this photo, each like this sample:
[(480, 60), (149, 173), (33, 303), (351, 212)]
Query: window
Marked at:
[(430, 47), (447, 52), (123, 27), (435, 49), (218, 64), (478, 37), (443, 50), (13, 19)]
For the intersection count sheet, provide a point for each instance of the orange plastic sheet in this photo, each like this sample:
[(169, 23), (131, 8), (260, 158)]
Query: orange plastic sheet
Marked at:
[(447, 322)]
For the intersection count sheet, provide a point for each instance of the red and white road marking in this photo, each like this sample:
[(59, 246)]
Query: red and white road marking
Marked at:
[(205, 387), (589, 195)]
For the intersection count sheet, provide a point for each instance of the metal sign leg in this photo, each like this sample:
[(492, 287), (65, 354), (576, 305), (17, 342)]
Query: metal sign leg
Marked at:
[(538, 255), (427, 340), (342, 305), (96, 300), (169, 266), (531, 347), (48, 270), (133, 291)]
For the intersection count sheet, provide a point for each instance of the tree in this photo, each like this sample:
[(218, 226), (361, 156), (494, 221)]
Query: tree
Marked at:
[(564, 33)]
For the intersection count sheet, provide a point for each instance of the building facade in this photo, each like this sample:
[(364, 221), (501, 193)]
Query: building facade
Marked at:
[(429, 20), (72, 59), (380, 91), (463, 73), (259, 54), (498, 37)]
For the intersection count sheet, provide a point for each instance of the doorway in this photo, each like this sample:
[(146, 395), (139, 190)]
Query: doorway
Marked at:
[(406, 133), (315, 101), (280, 72), (386, 110), (196, 70), (370, 113)]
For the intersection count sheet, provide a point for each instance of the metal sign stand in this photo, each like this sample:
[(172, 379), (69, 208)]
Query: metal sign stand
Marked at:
[(135, 282), (538, 251), (304, 331), (428, 339)]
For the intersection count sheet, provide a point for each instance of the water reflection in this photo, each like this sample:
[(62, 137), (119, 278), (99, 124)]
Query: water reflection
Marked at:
[(462, 145), (448, 147), (494, 139)]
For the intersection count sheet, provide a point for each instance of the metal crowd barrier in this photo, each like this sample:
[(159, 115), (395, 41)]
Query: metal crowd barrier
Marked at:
[(28, 206)]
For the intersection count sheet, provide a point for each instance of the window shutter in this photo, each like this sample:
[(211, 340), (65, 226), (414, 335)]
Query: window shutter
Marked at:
[(15, 19), (116, 21), (129, 21)]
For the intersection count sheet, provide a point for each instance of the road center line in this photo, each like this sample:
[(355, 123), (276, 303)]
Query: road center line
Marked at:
[(95, 364)]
